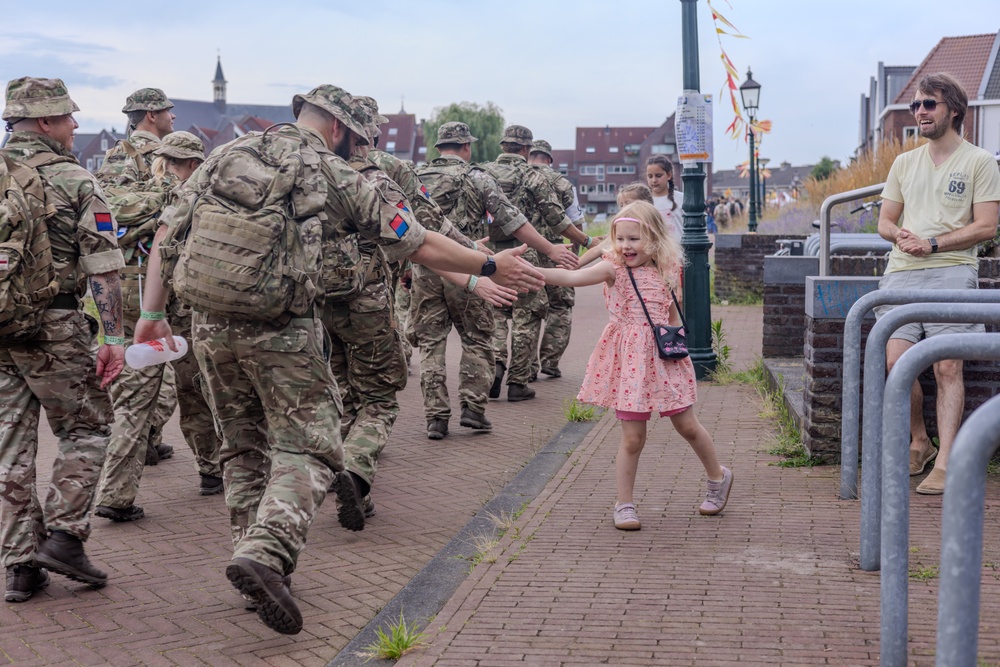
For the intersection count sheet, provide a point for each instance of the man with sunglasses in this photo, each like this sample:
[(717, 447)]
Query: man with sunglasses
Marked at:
[(940, 200)]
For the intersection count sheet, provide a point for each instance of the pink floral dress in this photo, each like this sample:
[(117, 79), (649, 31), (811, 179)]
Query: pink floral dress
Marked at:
[(624, 371)]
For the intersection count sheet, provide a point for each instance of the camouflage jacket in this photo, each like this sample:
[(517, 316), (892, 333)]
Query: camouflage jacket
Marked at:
[(120, 168), (564, 191), (477, 198), (82, 230), (426, 210), (528, 190)]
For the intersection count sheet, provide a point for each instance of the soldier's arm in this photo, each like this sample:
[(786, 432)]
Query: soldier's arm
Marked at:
[(553, 214), (107, 291)]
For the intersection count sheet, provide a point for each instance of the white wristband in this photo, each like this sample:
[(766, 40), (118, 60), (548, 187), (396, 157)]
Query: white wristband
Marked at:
[(471, 287)]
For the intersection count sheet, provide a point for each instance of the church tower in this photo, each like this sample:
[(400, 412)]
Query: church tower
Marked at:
[(219, 87)]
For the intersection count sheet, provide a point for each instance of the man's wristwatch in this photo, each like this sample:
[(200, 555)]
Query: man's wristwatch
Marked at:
[(934, 246), (489, 268)]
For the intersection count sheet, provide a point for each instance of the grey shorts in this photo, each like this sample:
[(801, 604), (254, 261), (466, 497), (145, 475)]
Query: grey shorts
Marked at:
[(949, 277)]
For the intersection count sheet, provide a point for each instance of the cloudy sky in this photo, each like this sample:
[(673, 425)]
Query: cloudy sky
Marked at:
[(552, 65)]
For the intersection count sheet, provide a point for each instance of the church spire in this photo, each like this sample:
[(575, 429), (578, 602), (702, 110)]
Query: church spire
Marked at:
[(219, 87)]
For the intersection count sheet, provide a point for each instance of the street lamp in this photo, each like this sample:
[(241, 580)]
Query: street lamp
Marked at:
[(750, 92), (762, 202)]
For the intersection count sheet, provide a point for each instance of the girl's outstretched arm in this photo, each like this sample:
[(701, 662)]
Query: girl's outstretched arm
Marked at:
[(592, 255), (602, 272)]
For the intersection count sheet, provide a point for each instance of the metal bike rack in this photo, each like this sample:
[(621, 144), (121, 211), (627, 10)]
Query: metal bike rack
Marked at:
[(962, 536), (824, 219), (851, 384), (896, 477)]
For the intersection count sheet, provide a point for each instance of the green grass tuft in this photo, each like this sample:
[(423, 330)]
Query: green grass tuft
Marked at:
[(401, 638)]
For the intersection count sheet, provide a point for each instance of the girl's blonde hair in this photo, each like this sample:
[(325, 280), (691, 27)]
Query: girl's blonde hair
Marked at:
[(663, 248), (634, 192)]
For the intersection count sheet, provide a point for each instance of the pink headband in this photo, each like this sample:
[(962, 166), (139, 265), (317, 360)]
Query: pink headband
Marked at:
[(629, 220)]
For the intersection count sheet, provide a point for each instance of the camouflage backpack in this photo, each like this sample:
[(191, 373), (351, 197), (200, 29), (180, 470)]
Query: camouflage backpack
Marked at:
[(117, 160), (511, 176), (254, 247), (449, 186), (28, 280)]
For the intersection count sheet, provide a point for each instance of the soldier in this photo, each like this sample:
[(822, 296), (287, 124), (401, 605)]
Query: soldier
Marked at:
[(61, 367), (528, 191), (559, 321), (467, 194), (149, 121), (270, 383)]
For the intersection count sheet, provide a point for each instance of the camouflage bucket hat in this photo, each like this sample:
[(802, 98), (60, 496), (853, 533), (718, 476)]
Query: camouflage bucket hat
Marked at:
[(541, 146), (338, 102), (182, 146), (147, 99), (369, 107), (517, 134), (454, 133), (31, 97)]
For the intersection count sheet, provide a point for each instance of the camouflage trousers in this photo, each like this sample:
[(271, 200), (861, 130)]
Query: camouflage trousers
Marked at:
[(401, 296), (279, 410), (196, 418), (526, 316), (144, 401), (558, 326), (57, 371), (436, 306), (367, 360)]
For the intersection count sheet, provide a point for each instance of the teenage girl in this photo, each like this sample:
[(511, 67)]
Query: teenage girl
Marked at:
[(666, 198), (624, 372)]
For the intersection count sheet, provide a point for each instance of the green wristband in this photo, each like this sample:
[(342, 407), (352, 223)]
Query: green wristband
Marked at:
[(471, 286), (152, 315), (114, 340)]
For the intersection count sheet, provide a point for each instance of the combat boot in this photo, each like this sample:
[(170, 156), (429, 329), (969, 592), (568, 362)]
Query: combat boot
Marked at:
[(268, 590), (158, 453), (63, 553), (23, 580), (120, 514), (519, 392), (350, 496), (498, 380), (210, 485), (437, 429), (476, 420)]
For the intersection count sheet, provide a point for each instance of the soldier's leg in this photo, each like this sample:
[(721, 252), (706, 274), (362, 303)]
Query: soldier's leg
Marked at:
[(558, 326), (336, 319), (528, 314), (163, 410), (473, 318), (196, 420), (291, 378), (431, 326), (402, 298)]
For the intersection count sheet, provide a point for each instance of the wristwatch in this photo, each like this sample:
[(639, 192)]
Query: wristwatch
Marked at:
[(933, 242), (489, 268)]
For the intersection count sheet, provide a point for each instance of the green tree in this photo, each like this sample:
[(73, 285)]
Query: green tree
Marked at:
[(485, 123), (824, 169)]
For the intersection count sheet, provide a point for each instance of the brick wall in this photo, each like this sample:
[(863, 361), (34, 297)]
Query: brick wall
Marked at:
[(739, 263)]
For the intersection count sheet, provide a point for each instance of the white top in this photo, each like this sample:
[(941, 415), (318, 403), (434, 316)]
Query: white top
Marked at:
[(673, 217)]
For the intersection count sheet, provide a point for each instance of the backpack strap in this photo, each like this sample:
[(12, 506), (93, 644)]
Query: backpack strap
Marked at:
[(139, 157)]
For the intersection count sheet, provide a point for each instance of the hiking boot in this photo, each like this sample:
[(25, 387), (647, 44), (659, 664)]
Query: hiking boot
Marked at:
[(519, 392), (250, 605), (437, 429), (269, 592), (351, 512), (476, 420), (63, 553), (497, 380), (533, 378), (210, 485), (626, 518), (551, 372), (119, 514), (159, 453), (718, 494), (369, 507), (23, 580)]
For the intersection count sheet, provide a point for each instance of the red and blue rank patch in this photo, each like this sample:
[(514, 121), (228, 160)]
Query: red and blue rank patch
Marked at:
[(399, 226), (424, 192), (402, 207), (104, 222)]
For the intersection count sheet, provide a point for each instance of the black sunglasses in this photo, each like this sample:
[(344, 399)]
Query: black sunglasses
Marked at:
[(929, 104)]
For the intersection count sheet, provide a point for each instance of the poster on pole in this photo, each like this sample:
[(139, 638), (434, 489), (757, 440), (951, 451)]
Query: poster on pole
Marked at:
[(693, 128)]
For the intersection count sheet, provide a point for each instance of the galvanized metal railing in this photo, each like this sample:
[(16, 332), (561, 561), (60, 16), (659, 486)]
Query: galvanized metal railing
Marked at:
[(824, 219), (896, 478)]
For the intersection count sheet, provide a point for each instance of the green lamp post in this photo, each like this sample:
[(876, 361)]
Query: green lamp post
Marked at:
[(750, 92), (697, 296)]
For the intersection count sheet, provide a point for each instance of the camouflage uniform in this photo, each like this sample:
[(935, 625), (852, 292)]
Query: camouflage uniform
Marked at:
[(467, 195), (57, 369), (271, 385), (527, 190), (143, 399), (559, 320), (121, 166)]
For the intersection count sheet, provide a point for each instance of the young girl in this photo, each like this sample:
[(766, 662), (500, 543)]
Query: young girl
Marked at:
[(624, 372), (666, 198)]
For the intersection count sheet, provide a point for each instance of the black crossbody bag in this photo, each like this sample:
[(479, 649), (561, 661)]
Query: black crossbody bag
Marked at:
[(671, 342)]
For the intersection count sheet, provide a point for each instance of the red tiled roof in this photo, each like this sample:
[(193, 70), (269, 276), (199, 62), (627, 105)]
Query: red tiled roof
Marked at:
[(964, 58), (603, 139)]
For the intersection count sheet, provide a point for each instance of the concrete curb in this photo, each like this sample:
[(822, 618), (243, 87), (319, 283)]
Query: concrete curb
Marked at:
[(431, 588)]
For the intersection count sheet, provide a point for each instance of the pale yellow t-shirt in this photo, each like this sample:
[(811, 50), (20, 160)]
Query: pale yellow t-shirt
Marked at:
[(939, 199)]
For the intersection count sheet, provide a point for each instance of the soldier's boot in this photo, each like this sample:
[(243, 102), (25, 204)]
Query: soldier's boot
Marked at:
[(498, 380), (476, 420), (350, 496), (369, 507), (63, 553), (437, 429), (120, 514), (23, 580), (519, 392), (250, 605), (210, 485), (158, 453), (267, 588), (552, 372)]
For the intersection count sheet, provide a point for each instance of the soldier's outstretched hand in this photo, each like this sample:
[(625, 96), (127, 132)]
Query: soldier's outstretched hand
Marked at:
[(110, 363), (564, 256), (516, 273), (493, 294)]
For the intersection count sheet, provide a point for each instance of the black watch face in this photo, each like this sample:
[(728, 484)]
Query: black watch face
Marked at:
[(489, 268)]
